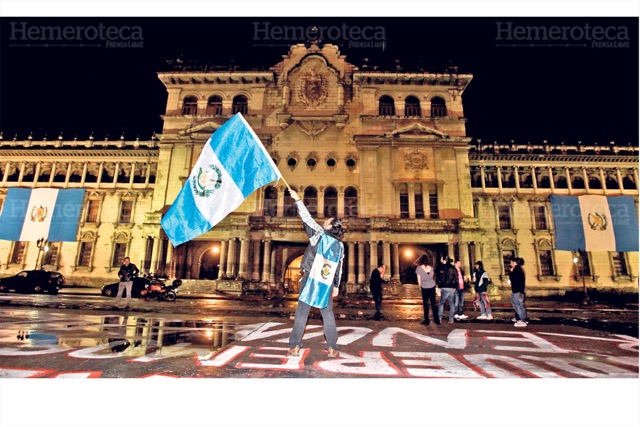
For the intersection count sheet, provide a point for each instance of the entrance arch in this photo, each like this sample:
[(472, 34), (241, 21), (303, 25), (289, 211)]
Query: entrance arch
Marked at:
[(292, 276), (210, 263), (410, 254)]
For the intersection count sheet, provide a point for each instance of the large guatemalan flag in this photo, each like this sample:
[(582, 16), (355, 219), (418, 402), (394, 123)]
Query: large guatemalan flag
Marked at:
[(233, 164), (319, 284), (50, 213), (595, 223)]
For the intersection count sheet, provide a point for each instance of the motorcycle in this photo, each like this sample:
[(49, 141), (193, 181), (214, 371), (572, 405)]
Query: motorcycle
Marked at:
[(158, 289)]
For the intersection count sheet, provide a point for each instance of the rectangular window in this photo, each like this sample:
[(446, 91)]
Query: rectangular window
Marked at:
[(584, 268), (540, 217), (92, 211), (51, 255), (504, 215), (546, 263), (119, 252), (506, 256), (419, 205), (17, 257), (619, 264), (125, 212), (404, 205), (84, 258), (433, 203)]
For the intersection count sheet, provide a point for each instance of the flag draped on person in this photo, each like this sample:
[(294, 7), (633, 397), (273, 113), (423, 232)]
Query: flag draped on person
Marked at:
[(319, 285), (232, 165), (49, 213), (595, 223)]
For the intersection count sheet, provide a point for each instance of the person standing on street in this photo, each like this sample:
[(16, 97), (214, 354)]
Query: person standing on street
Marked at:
[(518, 288), (427, 284), (375, 284), (447, 282), (322, 270), (481, 283), (126, 273), (459, 295)]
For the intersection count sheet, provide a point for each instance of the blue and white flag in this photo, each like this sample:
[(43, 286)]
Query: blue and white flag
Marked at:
[(232, 165), (595, 223), (319, 284), (50, 213)]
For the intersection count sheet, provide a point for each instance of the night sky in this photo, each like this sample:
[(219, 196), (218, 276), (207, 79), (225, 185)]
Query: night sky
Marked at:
[(549, 91)]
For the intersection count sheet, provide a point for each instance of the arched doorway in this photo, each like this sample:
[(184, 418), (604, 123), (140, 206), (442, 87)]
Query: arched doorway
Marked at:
[(292, 276), (409, 256), (210, 263)]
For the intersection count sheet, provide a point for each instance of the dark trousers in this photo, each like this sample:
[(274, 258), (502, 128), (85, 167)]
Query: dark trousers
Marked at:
[(376, 291), (429, 298)]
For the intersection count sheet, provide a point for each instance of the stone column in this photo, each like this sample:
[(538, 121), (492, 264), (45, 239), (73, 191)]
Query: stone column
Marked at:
[(499, 173), (340, 213), (603, 182), (100, 170), (255, 273), (362, 278), (222, 270), (266, 261), (154, 255), (386, 259), (115, 175), (516, 176), (585, 177), (396, 261), (21, 174), (37, 174), (482, 179), (7, 169), (373, 257), (478, 249), (568, 175), (534, 179), (244, 258), (351, 261), (84, 173), (619, 178), (133, 174), (169, 271), (412, 200), (552, 183), (635, 177), (450, 251), (272, 270), (463, 251), (280, 208), (231, 259), (285, 255)]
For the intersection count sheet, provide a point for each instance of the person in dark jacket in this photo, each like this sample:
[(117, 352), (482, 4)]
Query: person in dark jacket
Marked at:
[(126, 273), (447, 282), (375, 284), (481, 283), (459, 299), (517, 279), (318, 272)]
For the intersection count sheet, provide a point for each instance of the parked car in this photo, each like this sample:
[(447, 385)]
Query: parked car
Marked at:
[(139, 284), (30, 281)]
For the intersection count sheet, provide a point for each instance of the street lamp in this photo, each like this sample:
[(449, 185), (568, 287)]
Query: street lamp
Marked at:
[(578, 260), (43, 245)]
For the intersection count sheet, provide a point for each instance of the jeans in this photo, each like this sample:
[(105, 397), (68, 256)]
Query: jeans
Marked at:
[(328, 320), (459, 301), (429, 298), (121, 287), (517, 299), (483, 303), (376, 291), (447, 294)]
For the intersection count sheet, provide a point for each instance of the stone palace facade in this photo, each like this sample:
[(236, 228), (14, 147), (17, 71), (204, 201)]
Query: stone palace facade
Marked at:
[(387, 151)]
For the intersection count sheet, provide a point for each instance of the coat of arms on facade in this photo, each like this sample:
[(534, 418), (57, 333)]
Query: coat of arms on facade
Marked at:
[(38, 213), (415, 161), (313, 88), (597, 221), (207, 180)]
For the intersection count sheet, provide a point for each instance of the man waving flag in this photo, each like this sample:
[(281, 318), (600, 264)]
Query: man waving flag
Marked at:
[(233, 164)]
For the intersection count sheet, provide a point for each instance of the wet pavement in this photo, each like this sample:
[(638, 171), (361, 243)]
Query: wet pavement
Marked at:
[(78, 334)]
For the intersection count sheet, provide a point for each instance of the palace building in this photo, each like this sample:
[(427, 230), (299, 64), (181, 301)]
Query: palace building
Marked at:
[(386, 151)]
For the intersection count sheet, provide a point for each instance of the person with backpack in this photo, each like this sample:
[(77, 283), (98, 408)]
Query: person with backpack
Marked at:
[(481, 282), (447, 282), (517, 279)]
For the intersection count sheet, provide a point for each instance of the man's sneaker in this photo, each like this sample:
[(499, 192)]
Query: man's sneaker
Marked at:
[(514, 320), (482, 317), (463, 317), (520, 324), (489, 317), (456, 316), (332, 353), (295, 351)]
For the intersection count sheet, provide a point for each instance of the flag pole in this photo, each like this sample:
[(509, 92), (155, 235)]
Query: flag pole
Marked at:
[(285, 182)]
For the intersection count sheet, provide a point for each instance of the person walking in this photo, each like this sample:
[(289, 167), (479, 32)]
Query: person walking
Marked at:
[(447, 282), (517, 278), (126, 273), (459, 295), (427, 284), (481, 282), (375, 284), (322, 271)]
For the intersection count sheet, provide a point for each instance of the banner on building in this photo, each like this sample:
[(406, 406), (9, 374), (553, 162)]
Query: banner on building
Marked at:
[(49, 213), (595, 223), (232, 165)]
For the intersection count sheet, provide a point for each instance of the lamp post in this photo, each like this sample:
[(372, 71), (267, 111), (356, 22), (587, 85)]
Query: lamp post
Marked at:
[(578, 260), (43, 245)]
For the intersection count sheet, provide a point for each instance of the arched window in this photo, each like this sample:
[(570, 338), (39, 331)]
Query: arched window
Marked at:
[(270, 201), (595, 183), (438, 107), (330, 202), (577, 182), (386, 106), (412, 107), (612, 183), (350, 202), (240, 104), (628, 183), (561, 182), (214, 105), (190, 106), (311, 200)]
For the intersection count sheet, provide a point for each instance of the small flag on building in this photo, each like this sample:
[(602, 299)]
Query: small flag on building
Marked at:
[(50, 213), (232, 165), (595, 223)]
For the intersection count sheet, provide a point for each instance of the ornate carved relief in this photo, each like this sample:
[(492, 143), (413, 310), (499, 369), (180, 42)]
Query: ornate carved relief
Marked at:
[(312, 88), (312, 128), (415, 161)]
